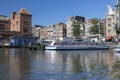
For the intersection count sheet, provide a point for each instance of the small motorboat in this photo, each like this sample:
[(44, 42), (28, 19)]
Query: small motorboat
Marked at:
[(117, 48)]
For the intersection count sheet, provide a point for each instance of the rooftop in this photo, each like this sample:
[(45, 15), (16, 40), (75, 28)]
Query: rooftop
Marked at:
[(3, 17), (23, 11)]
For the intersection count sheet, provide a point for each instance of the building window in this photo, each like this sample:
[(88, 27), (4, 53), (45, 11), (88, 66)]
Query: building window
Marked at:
[(25, 30), (109, 25), (17, 22), (109, 20), (25, 22), (2, 27), (109, 30), (25, 26)]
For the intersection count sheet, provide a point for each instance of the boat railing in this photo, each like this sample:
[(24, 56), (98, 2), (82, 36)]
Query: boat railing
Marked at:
[(78, 44)]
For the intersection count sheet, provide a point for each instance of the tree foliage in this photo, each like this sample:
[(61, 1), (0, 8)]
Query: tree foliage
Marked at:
[(93, 30), (97, 27), (76, 29)]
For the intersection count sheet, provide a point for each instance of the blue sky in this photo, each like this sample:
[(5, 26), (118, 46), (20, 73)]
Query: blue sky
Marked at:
[(47, 12)]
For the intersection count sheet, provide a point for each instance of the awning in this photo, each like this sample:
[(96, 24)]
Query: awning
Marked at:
[(108, 38)]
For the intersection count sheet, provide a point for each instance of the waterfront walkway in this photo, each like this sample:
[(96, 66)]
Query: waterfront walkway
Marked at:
[(112, 44)]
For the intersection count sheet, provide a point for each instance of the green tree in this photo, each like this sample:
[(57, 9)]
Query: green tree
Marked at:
[(97, 27), (76, 29), (93, 30)]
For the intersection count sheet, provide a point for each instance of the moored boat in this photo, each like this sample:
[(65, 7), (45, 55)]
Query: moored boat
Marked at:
[(117, 49), (72, 45)]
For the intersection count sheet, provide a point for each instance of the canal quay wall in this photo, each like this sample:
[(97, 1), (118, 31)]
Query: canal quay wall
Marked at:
[(31, 47), (42, 47), (27, 47)]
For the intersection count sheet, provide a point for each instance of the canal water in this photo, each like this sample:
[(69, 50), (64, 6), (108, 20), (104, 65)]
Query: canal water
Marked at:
[(25, 64)]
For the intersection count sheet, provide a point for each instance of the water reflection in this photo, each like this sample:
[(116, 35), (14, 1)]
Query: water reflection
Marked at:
[(86, 64), (115, 70), (25, 64)]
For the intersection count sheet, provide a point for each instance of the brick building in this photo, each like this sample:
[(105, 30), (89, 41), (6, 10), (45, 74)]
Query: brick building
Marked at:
[(19, 24), (5, 32)]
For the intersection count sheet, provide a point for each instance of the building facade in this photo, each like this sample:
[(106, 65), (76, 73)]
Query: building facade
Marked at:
[(110, 21), (87, 24), (78, 19), (4, 23), (21, 21), (113, 20), (57, 31), (51, 30), (36, 30), (5, 32), (19, 24), (60, 31)]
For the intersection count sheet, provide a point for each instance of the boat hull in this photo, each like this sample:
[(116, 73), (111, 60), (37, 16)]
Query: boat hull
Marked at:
[(76, 47), (117, 49)]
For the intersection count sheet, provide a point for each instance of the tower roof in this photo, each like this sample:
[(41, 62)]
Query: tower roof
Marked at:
[(110, 11), (23, 11)]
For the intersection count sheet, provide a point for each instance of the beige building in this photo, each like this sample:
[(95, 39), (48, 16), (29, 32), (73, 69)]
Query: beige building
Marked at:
[(57, 31), (44, 33), (50, 30), (36, 30), (60, 31), (5, 32), (21, 21), (78, 19)]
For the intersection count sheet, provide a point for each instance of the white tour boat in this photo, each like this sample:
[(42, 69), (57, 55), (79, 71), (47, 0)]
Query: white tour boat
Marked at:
[(72, 45)]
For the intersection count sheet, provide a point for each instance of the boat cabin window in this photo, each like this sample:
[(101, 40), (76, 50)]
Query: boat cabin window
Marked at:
[(47, 42), (57, 43)]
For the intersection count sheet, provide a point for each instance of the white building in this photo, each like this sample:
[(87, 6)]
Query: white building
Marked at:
[(51, 30), (60, 31), (71, 20), (36, 30), (87, 24), (113, 20)]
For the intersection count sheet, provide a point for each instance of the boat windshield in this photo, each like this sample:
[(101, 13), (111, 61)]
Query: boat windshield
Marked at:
[(57, 43)]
